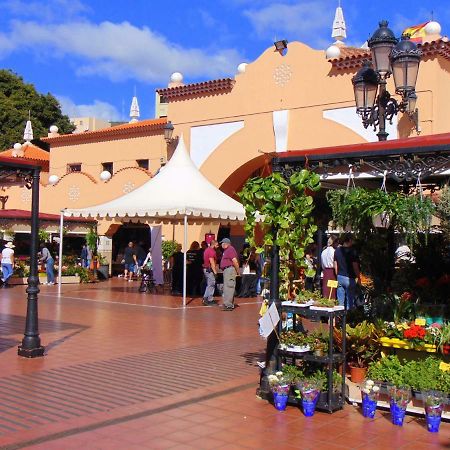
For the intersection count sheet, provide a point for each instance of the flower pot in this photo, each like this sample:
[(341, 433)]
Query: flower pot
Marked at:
[(319, 351), (280, 401), (309, 406), (433, 423), (358, 374), (397, 414), (369, 406)]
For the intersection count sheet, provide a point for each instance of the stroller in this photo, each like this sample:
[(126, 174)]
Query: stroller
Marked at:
[(147, 282)]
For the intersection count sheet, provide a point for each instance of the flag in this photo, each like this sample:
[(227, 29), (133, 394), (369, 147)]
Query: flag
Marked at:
[(416, 33), (269, 321)]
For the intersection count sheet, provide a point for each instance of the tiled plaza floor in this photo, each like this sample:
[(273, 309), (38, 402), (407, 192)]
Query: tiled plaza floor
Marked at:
[(125, 370)]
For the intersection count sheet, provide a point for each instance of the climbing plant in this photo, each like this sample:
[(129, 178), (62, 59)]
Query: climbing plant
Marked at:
[(358, 207), (282, 209)]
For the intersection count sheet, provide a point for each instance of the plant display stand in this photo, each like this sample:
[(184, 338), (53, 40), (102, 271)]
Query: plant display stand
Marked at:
[(329, 400), (404, 344)]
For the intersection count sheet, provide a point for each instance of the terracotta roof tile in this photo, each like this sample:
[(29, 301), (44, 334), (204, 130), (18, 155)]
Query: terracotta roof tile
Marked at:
[(111, 133), (31, 152), (204, 88), (352, 57)]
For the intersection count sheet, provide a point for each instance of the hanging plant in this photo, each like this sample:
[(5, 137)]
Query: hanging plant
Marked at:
[(92, 239), (285, 207), (360, 208)]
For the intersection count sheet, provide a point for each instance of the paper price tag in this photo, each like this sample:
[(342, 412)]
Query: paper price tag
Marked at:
[(332, 284), (444, 366), (421, 322)]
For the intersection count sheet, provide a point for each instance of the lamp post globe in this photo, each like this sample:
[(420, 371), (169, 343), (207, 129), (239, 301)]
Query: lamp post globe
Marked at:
[(381, 44), (365, 86), (105, 176), (405, 60)]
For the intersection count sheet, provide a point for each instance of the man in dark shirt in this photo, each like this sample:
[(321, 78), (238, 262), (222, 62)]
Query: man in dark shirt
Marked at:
[(210, 271), (130, 261), (346, 266), (230, 266)]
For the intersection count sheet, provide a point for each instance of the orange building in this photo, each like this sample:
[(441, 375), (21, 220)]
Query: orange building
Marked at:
[(282, 101)]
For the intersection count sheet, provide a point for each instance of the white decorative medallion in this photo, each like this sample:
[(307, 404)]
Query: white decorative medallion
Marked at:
[(128, 187), (74, 193), (26, 195), (282, 75)]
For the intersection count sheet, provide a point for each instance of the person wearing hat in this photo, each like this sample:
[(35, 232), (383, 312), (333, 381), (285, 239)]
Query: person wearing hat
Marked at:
[(7, 259), (230, 266)]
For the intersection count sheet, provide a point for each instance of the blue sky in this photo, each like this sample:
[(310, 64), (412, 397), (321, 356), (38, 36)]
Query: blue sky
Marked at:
[(93, 54)]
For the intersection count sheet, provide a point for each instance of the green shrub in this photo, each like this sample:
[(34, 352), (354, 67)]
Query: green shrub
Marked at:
[(388, 369)]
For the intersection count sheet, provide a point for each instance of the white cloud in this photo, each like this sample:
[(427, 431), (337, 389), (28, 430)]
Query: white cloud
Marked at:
[(49, 10), (99, 109), (119, 51), (305, 21)]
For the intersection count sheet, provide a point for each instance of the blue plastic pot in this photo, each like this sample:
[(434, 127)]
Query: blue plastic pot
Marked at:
[(433, 423), (280, 401), (368, 407), (397, 414), (309, 407)]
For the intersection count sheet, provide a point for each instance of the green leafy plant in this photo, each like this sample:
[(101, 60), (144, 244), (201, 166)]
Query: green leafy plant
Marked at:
[(293, 373), (388, 369), (320, 339), (321, 377), (21, 270), (168, 249), (293, 338), (44, 236), (362, 344), (357, 208), (92, 239), (285, 207), (82, 272)]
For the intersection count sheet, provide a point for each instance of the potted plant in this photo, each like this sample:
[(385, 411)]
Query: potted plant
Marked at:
[(399, 397), (370, 391), (102, 266), (319, 341), (293, 341), (442, 340), (434, 403), (362, 348), (280, 386), (388, 370), (308, 391)]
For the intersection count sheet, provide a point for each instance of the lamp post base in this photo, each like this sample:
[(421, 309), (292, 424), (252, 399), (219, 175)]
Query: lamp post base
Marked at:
[(30, 352)]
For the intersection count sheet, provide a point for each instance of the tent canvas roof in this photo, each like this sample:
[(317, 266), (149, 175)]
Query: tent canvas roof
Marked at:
[(178, 190)]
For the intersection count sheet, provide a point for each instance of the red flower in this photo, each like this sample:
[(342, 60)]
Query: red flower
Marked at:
[(406, 296), (414, 332)]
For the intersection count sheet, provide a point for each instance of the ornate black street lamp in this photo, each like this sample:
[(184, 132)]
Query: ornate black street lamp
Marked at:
[(389, 56)]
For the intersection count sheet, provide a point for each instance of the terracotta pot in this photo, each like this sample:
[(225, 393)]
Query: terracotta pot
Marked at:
[(358, 374)]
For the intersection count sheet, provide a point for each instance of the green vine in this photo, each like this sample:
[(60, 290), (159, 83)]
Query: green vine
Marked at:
[(284, 207), (357, 208), (91, 239)]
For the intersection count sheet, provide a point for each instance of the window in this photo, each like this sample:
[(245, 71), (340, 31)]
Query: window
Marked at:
[(73, 167), (108, 166), (143, 163)]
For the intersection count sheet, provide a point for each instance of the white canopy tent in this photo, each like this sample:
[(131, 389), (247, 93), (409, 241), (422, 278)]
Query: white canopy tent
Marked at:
[(178, 192)]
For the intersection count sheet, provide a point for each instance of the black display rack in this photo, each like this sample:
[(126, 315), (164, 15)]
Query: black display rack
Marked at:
[(329, 400)]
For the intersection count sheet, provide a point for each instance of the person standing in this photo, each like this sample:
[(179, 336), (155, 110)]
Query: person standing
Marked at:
[(210, 271), (230, 266), (7, 261), (83, 256), (177, 263), (327, 262), (346, 266), (47, 259), (129, 255)]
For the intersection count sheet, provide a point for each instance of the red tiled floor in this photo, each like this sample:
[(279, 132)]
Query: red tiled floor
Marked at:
[(136, 371)]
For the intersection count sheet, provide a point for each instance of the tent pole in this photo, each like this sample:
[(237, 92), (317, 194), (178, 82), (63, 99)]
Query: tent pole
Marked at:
[(184, 261), (61, 227)]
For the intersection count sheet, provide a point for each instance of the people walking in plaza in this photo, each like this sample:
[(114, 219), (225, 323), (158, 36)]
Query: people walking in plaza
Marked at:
[(194, 270), (129, 255), (176, 262), (86, 256), (210, 271), (230, 266), (346, 266), (7, 261), (327, 262), (47, 259)]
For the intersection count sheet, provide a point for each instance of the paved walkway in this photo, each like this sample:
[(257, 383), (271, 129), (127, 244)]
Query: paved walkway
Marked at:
[(125, 370)]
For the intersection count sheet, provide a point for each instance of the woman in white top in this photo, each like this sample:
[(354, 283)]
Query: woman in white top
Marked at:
[(327, 262), (7, 258)]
